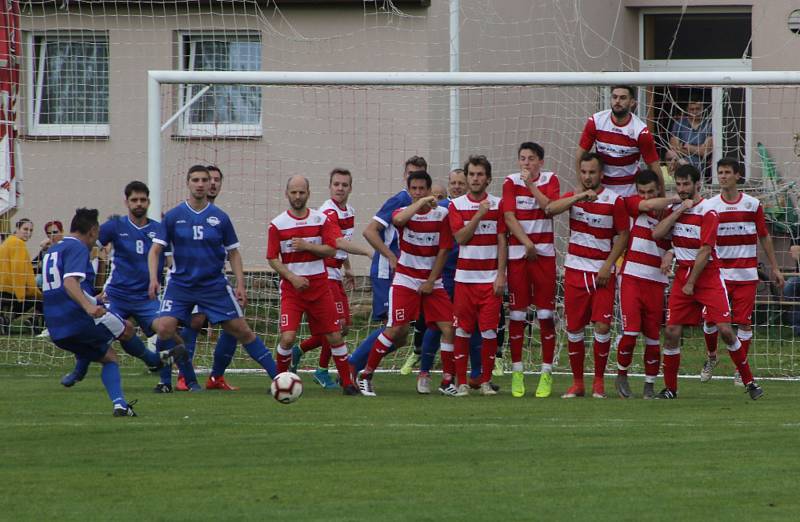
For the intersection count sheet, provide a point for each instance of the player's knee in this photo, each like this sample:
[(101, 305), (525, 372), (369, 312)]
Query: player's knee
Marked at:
[(334, 338), (517, 315), (198, 322), (672, 333), (288, 339), (128, 332), (602, 328), (726, 332), (109, 357), (345, 330)]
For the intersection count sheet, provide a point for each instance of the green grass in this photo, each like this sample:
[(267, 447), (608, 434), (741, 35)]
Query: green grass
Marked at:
[(234, 456)]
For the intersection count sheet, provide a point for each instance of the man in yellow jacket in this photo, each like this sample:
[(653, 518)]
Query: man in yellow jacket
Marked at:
[(18, 290)]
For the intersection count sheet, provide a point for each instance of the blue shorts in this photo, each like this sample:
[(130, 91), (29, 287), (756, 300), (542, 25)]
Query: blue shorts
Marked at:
[(93, 342), (145, 311), (380, 298), (219, 304)]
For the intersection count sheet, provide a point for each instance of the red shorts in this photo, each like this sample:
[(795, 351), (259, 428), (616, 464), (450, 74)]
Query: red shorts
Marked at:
[(405, 304), (641, 303), (532, 283), (476, 303), (709, 301), (340, 302), (742, 296), (584, 302), (315, 301)]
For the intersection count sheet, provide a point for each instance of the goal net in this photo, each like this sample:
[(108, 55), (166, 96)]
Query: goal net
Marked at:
[(259, 132)]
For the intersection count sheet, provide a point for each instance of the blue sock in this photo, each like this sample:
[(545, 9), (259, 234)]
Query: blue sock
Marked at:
[(81, 366), (261, 355), (358, 359), (113, 383), (189, 337), (134, 346), (165, 375), (475, 363), (430, 345), (223, 354)]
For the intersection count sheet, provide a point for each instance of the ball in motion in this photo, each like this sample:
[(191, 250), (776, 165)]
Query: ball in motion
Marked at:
[(286, 387)]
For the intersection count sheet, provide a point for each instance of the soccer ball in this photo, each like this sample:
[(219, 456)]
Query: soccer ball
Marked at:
[(286, 387)]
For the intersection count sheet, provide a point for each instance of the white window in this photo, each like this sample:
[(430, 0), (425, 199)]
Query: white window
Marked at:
[(68, 81), (224, 110)]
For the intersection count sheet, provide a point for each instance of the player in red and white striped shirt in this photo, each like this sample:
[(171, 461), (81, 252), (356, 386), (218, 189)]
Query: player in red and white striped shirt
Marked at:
[(479, 228), (643, 282), (620, 138), (698, 287), (298, 240), (340, 277), (531, 261), (596, 216), (741, 228), (425, 241)]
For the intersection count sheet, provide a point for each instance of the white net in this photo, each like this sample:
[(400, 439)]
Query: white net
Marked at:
[(85, 109)]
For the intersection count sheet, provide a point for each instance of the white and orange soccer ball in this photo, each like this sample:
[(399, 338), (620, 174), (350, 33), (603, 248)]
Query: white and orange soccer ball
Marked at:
[(286, 387)]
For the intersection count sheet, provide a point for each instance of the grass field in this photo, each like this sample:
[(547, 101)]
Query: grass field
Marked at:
[(711, 454)]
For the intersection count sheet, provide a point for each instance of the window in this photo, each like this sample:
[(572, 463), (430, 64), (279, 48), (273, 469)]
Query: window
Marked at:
[(224, 110), (68, 78)]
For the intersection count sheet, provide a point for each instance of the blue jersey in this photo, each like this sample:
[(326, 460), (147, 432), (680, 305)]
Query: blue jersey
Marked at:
[(380, 265), (129, 278), (200, 242), (63, 316)]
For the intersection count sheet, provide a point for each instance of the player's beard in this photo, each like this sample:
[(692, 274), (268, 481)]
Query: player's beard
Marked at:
[(139, 212), (622, 113)]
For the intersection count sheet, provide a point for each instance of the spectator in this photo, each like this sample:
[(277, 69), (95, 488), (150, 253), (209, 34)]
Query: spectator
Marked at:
[(55, 233), (17, 282), (691, 137), (791, 292)]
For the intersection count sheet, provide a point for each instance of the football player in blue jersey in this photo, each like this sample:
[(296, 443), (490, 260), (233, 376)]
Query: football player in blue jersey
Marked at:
[(76, 320), (201, 237)]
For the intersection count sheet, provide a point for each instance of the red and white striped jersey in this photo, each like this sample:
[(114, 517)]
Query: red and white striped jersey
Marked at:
[(477, 260), (420, 241), (620, 147), (741, 223), (536, 224), (314, 227), (592, 227), (345, 219), (644, 254), (694, 228)]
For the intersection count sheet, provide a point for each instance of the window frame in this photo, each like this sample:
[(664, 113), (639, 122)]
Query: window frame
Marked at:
[(186, 129), (34, 72)]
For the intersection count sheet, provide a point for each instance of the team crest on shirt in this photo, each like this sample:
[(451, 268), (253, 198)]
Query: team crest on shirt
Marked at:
[(212, 220), (151, 235)]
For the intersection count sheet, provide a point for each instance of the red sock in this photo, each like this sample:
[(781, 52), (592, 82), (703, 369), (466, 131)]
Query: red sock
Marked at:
[(625, 348), (461, 352), (283, 361), (315, 341), (577, 352), (739, 358), (448, 366), (488, 353), (711, 341), (672, 363), (325, 354), (652, 354), (746, 346), (342, 366), (601, 349), (379, 349), (516, 333), (547, 333)]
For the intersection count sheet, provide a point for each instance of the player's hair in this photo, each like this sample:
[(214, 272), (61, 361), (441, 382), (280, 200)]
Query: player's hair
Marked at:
[(479, 160), (215, 169), (630, 88), (84, 220), (196, 168), (646, 176), (687, 171), (732, 163), (420, 174), (136, 186), (455, 171), (54, 223), (341, 172), (417, 161), (533, 147), (589, 156)]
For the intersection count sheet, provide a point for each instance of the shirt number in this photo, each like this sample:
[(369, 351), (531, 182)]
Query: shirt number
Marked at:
[(197, 231), (52, 277), (139, 246)]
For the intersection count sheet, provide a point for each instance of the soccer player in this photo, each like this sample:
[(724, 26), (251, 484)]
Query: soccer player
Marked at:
[(340, 275), (620, 138), (299, 239), (479, 228), (741, 228), (643, 282), (425, 240), (76, 321), (531, 261), (697, 284), (201, 236), (596, 216)]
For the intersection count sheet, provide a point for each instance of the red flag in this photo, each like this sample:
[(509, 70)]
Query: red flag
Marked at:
[(10, 47)]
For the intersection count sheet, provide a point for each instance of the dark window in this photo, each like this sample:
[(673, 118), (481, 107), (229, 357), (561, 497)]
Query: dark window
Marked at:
[(699, 36)]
